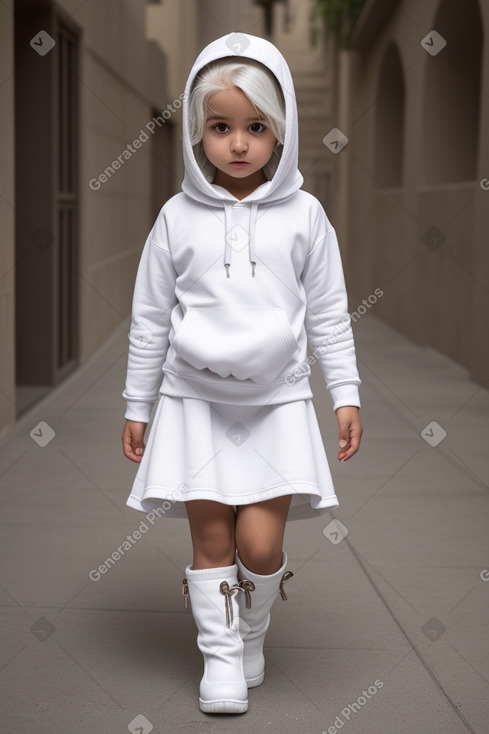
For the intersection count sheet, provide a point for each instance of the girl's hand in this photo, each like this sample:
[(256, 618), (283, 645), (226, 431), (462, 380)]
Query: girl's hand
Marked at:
[(350, 431), (132, 440)]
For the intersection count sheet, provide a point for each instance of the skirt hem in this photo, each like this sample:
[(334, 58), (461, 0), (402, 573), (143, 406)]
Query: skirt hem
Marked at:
[(155, 500)]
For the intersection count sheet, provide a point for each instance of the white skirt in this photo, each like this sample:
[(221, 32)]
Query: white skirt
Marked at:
[(233, 454)]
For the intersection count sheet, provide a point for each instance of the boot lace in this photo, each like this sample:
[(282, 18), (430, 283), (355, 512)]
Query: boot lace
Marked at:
[(246, 586), (285, 578)]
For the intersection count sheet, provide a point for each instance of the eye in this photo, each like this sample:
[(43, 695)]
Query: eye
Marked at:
[(257, 127), (220, 127)]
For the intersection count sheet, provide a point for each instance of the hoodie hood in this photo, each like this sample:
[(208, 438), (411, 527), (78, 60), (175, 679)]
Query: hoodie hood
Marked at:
[(286, 180)]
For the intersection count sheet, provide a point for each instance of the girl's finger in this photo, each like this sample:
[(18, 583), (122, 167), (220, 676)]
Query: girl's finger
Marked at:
[(134, 454), (352, 445)]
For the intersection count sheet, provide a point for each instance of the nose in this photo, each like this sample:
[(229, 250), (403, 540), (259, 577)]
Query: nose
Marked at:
[(239, 143)]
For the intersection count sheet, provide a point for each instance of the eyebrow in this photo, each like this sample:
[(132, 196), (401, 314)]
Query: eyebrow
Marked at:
[(223, 117)]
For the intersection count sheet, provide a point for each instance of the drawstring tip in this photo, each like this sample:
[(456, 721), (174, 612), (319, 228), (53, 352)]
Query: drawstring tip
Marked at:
[(227, 266), (253, 269)]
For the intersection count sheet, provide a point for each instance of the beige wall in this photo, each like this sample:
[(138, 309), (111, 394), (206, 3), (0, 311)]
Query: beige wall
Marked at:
[(218, 17), (173, 25), (7, 205), (122, 85), (438, 296), (118, 92)]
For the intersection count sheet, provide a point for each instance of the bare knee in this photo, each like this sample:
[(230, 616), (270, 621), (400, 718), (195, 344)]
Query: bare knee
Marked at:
[(214, 548), (212, 529), (260, 532), (263, 558)]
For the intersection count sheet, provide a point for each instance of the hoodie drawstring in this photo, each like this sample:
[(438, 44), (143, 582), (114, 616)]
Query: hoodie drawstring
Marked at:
[(227, 229), (251, 236), (251, 241)]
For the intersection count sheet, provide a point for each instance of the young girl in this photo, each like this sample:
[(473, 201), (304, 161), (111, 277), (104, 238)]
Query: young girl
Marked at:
[(239, 271)]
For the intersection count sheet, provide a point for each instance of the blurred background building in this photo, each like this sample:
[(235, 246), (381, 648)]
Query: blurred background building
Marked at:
[(90, 151)]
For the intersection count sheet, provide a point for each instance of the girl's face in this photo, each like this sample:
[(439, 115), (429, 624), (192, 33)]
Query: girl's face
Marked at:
[(236, 141)]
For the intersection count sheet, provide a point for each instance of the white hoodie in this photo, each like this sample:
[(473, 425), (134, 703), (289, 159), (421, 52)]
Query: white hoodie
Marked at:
[(240, 339)]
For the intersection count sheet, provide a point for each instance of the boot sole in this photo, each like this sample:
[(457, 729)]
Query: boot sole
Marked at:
[(223, 707)]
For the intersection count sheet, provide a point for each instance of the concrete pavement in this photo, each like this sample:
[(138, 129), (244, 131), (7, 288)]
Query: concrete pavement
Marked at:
[(386, 626)]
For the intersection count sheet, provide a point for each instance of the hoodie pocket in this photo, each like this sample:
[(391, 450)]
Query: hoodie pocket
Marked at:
[(248, 342)]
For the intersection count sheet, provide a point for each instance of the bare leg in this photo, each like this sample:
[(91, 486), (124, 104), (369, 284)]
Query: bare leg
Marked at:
[(259, 534), (212, 530)]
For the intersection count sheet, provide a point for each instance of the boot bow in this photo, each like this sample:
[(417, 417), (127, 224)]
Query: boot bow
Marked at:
[(246, 586)]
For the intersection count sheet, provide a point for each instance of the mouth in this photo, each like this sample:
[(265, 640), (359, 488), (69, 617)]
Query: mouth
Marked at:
[(239, 164)]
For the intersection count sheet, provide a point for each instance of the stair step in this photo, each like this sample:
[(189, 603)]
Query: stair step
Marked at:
[(314, 95)]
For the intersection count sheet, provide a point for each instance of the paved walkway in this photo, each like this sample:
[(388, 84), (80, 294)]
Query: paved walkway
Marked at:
[(385, 630)]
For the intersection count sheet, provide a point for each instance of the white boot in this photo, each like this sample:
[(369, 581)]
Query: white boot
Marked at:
[(255, 620), (212, 593)]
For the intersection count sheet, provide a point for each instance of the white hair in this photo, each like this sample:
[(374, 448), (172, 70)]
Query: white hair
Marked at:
[(257, 83)]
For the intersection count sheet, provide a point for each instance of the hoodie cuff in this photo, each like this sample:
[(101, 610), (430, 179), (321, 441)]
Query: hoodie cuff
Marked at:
[(139, 411), (343, 395)]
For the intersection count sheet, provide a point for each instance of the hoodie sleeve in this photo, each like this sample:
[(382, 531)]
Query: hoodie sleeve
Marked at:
[(327, 320), (153, 301)]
